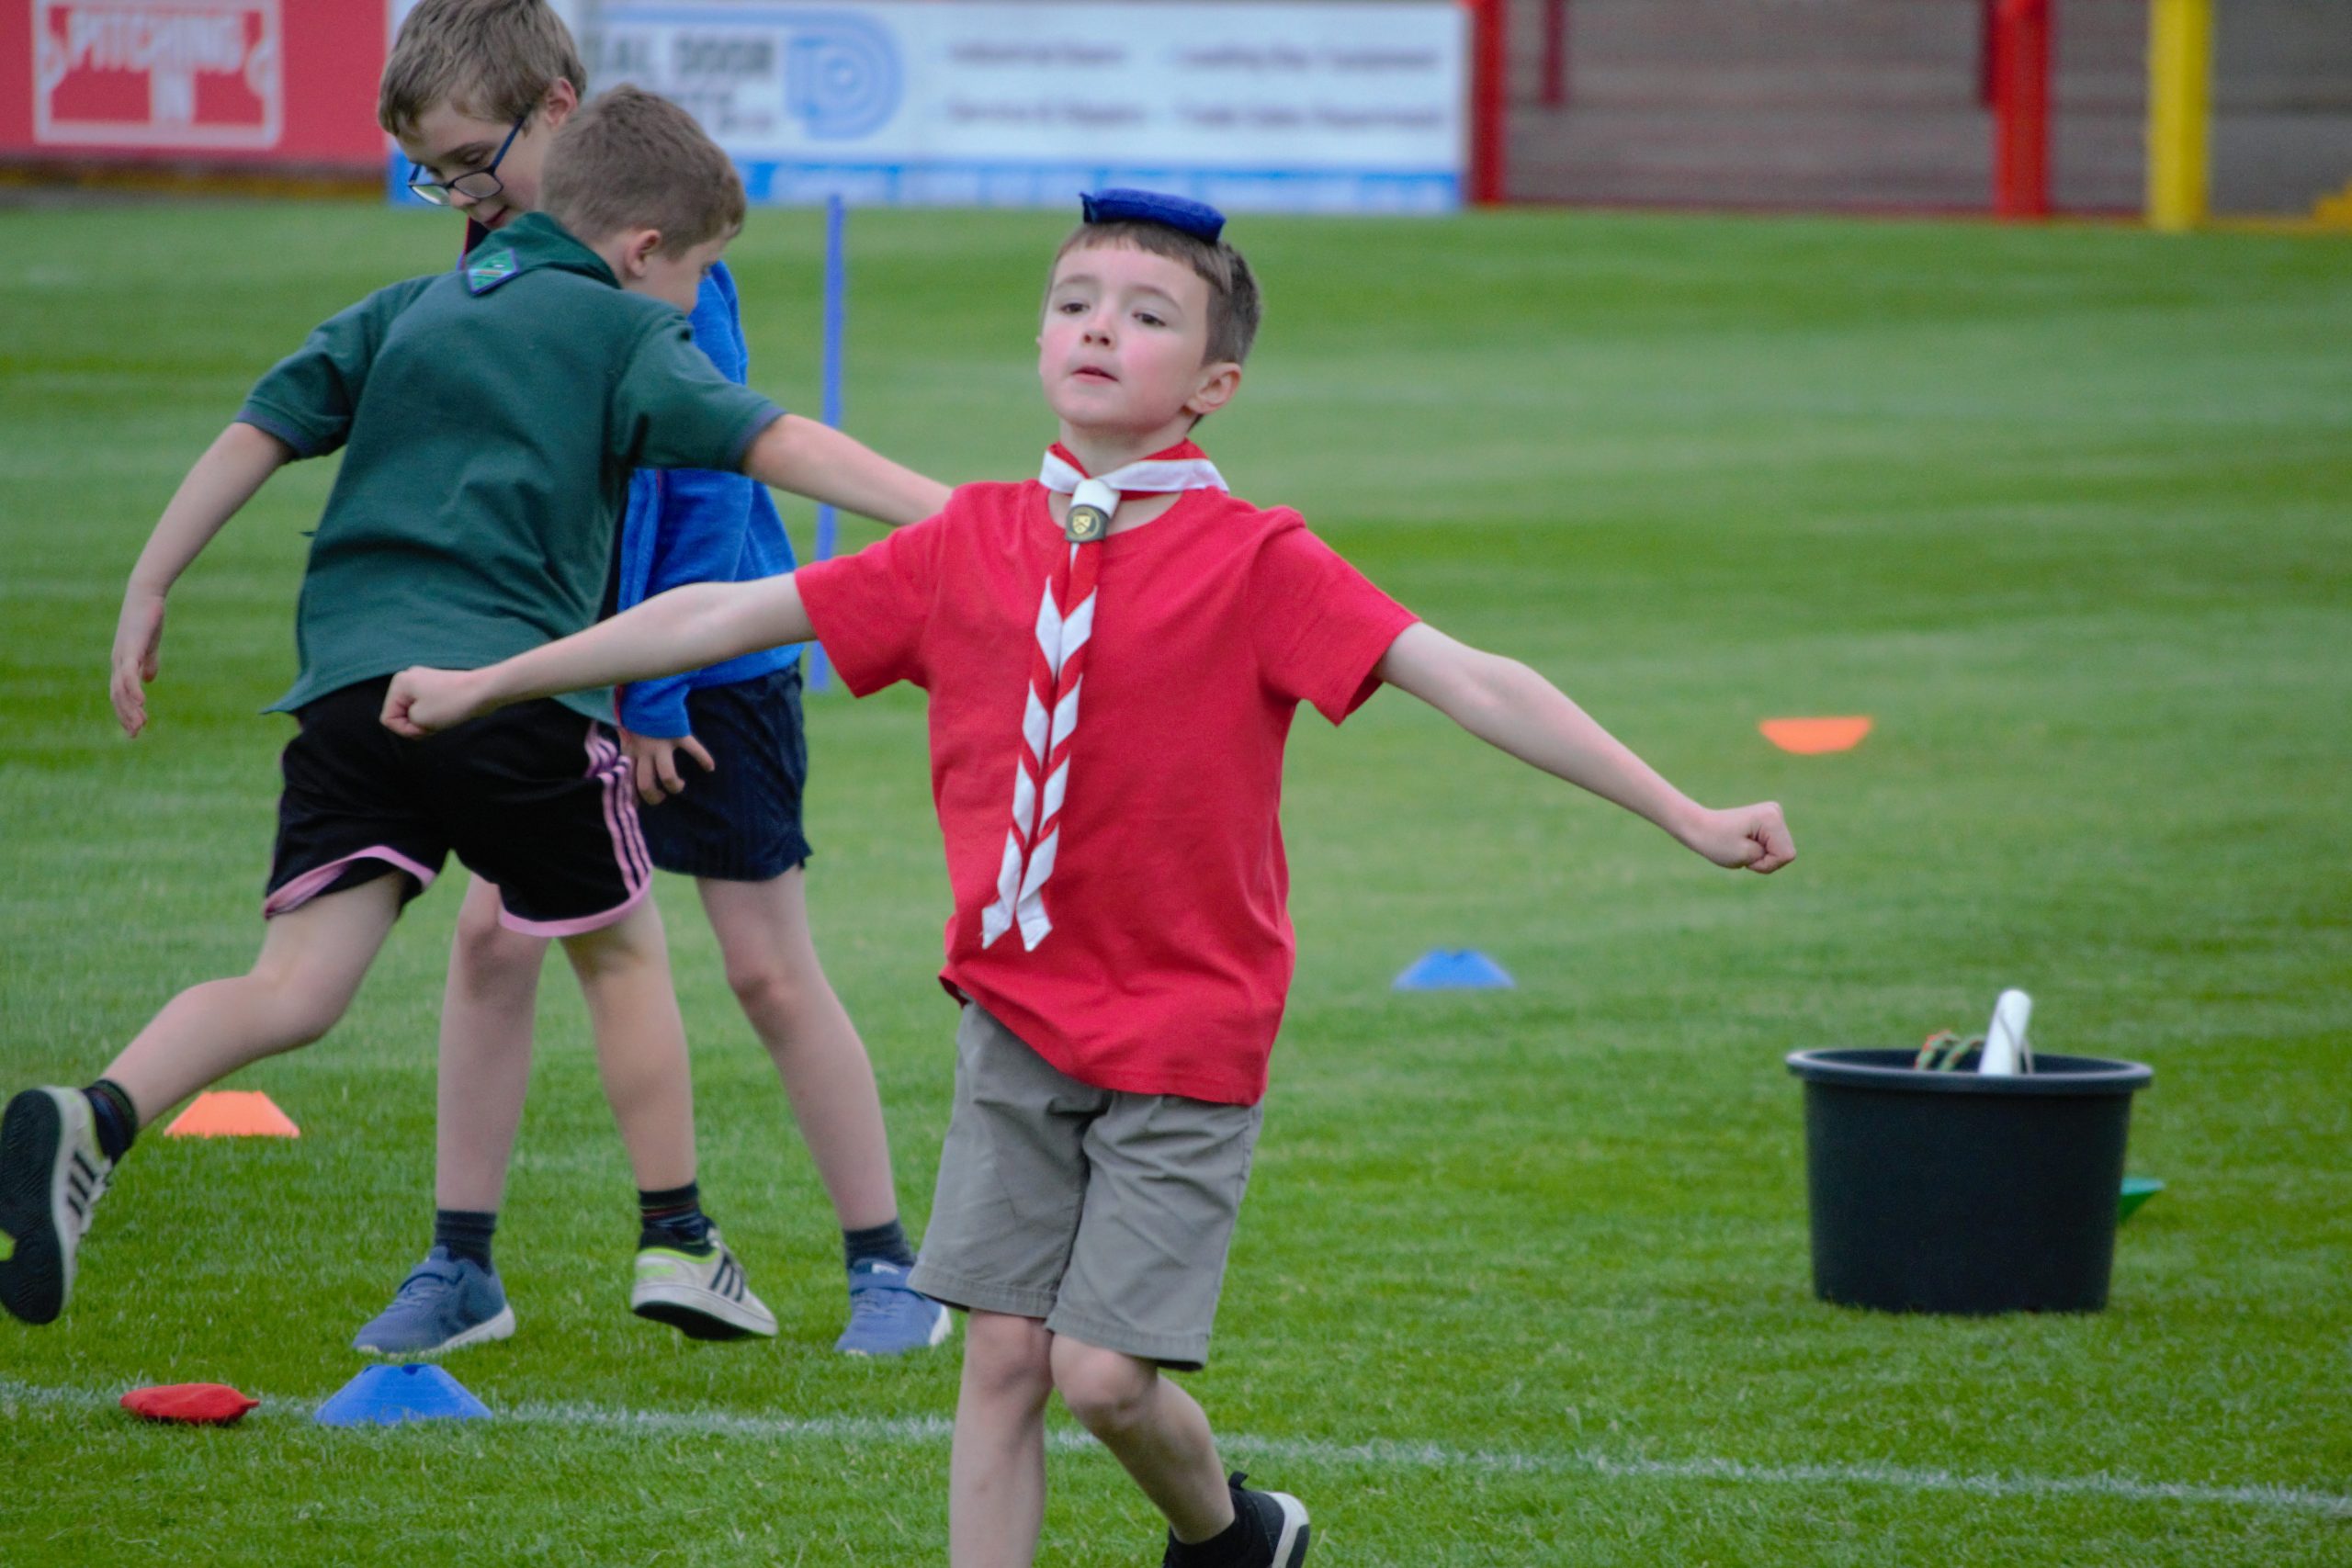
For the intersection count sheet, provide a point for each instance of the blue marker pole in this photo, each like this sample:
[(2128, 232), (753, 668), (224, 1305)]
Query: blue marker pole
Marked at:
[(836, 309)]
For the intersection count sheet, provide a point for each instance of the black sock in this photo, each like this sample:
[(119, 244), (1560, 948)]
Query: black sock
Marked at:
[(1239, 1545), (115, 1118), (465, 1233), (886, 1242), (674, 1218)]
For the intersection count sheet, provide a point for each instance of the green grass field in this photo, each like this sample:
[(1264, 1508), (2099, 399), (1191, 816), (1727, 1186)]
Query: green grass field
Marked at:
[(1524, 1276)]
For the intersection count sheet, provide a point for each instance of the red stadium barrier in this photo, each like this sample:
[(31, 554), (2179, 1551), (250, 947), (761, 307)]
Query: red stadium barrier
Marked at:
[(252, 84), (1852, 104), (1489, 98), (2022, 108)]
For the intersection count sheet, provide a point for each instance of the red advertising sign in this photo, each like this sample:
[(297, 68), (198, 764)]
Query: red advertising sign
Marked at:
[(228, 81), (158, 74)]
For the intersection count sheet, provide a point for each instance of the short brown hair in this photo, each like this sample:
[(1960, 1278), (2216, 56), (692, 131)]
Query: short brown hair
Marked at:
[(489, 59), (634, 160), (1234, 305)]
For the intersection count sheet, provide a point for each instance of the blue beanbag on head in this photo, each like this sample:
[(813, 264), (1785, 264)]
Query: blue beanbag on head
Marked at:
[(1197, 218)]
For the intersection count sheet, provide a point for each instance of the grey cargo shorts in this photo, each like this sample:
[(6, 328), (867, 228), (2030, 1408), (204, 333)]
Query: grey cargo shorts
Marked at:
[(1105, 1214)]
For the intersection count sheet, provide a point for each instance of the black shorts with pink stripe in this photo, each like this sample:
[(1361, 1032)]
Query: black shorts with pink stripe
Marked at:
[(536, 798)]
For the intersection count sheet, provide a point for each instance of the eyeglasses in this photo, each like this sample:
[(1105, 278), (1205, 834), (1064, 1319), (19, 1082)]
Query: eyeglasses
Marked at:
[(474, 185)]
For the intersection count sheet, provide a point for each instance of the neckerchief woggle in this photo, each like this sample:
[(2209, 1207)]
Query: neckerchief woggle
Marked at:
[(1057, 669)]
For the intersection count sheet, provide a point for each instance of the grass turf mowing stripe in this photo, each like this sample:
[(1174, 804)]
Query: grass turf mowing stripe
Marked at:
[(1388, 1453)]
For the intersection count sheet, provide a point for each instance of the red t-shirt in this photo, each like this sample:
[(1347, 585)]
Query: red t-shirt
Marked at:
[(1170, 951)]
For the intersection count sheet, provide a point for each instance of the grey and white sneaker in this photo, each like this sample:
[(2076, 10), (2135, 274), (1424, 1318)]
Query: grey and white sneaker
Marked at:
[(702, 1298), (51, 1177), (445, 1303)]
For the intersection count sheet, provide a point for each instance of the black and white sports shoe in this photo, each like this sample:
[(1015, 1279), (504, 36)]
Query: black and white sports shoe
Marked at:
[(1279, 1522), (52, 1175), (702, 1298), (1280, 1516)]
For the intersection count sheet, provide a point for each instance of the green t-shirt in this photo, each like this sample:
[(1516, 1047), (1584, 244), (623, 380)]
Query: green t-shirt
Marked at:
[(489, 419)]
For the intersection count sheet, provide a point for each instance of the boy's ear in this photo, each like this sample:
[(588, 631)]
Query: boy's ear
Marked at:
[(557, 102), (1218, 383), (637, 246)]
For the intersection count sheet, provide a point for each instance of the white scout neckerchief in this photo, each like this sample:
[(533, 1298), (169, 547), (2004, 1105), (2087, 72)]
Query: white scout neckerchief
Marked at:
[(1049, 719)]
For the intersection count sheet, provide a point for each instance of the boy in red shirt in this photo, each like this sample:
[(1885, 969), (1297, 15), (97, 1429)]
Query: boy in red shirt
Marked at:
[(1112, 665)]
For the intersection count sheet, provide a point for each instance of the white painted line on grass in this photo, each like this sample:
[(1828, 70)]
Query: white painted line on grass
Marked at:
[(931, 1431)]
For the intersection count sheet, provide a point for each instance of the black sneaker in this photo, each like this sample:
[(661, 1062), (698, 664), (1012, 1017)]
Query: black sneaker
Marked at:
[(52, 1175), (1278, 1520)]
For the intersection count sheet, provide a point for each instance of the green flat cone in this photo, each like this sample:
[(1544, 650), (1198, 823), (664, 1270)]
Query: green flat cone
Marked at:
[(2137, 1190)]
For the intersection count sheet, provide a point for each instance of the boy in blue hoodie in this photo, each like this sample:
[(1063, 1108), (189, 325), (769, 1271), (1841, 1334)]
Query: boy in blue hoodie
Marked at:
[(473, 91)]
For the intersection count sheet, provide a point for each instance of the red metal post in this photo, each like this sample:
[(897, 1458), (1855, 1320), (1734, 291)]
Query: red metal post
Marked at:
[(2021, 110), (1556, 53), (1488, 63)]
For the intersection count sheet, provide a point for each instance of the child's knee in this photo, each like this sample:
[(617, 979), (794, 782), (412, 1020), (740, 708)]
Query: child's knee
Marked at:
[(485, 953), (1105, 1389), (764, 984), (293, 1007), (1008, 1358), (632, 946), (480, 916)]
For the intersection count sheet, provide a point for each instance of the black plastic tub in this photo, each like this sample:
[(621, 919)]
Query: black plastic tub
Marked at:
[(1954, 1193)]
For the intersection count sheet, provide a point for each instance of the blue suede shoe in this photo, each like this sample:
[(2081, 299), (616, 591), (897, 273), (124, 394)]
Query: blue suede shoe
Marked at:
[(887, 1315), (445, 1304)]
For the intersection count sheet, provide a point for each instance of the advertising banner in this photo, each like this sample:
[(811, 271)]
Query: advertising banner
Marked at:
[(231, 82), (1298, 106)]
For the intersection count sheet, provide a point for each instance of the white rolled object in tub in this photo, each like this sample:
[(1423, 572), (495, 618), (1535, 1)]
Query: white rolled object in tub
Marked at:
[(2005, 1052)]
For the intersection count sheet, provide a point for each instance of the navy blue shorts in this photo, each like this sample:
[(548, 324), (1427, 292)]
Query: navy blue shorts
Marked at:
[(535, 797), (742, 823)]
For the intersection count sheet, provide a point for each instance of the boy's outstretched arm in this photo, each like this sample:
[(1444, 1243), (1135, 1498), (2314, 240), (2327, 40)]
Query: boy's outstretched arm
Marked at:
[(223, 481), (1508, 706), (817, 461), (686, 628)]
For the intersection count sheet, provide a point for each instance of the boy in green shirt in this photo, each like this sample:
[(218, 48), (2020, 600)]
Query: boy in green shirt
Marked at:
[(474, 91), (490, 417)]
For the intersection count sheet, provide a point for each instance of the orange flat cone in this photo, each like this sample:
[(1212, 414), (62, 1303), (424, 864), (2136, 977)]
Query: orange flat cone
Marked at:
[(1812, 736), (232, 1113)]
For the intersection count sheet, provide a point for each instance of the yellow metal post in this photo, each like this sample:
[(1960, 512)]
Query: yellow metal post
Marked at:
[(2180, 112)]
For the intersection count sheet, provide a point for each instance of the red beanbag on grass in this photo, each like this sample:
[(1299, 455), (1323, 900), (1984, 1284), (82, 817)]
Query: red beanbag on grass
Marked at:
[(194, 1403)]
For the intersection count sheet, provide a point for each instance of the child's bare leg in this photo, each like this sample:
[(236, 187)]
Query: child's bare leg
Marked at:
[(623, 972), (1155, 1429), (685, 1276), (311, 961), (487, 1010), (996, 1474), (763, 930)]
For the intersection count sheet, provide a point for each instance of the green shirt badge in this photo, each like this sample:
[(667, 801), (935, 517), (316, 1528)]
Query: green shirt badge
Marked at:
[(487, 268)]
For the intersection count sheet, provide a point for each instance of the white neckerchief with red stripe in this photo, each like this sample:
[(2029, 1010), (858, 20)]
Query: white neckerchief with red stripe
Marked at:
[(1049, 717)]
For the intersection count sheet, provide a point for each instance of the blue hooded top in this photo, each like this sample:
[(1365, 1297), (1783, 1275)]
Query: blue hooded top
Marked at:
[(697, 525)]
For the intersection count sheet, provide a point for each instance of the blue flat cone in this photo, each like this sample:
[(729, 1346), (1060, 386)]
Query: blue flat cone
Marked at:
[(1453, 969), (385, 1397)]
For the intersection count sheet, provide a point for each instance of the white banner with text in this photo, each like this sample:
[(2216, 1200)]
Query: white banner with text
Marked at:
[(1324, 108)]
